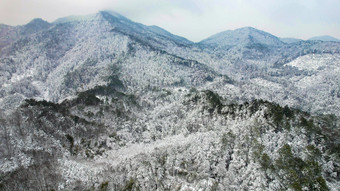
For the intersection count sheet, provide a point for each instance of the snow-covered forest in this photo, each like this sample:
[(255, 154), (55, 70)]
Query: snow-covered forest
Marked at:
[(100, 102)]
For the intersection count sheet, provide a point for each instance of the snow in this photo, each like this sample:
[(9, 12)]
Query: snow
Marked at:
[(166, 138), (316, 62)]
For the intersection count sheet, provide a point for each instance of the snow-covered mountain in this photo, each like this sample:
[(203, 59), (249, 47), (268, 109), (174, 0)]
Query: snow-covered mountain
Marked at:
[(100, 102), (241, 37), (263, 70), (325, 38), (77, 53), (9, 34)]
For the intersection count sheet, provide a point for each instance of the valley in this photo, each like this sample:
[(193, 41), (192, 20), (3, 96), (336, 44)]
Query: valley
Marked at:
[(100, 102)]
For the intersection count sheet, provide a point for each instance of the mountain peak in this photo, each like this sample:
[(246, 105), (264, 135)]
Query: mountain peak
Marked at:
[(37, 21), (138, 30), (34, 26), (247, 28), (112, 13), (242, 36), (104, 14)]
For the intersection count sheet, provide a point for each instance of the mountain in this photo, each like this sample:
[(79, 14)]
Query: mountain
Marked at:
[(9, 34), (100, 102), (233, 49), (34, 26), (264, 70), (243, 36), (50, 64), (290, 40), (325, 38), (187, 139)]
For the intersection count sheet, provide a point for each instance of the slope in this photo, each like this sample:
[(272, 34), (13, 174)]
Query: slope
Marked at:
[(262, 69), (76, 54), (325, 38), (182, 140), (242, 36), (110, 104)]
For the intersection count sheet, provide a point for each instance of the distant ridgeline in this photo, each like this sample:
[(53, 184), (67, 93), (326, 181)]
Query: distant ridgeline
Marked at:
[(100, 102)]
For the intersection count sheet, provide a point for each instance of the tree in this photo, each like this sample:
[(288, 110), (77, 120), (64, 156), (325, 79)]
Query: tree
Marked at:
[(5, 142)]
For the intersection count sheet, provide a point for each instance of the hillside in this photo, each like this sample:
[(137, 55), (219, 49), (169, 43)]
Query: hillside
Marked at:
[(100, 102), (325, 38), (181, 140)]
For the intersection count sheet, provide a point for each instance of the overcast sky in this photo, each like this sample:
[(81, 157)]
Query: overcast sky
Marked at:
[(194, 19)]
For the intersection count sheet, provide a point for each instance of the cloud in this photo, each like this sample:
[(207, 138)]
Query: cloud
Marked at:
[(194, 19)]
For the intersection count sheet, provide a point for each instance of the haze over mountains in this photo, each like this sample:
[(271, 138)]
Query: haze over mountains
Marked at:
[(102, 102)]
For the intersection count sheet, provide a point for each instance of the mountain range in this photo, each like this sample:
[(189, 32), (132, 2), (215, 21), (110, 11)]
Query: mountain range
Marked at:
[(325, 38), (100, 102)]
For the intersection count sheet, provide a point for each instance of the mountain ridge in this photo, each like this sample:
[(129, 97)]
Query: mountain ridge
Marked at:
[(119, 16), (246, 35), (325, 38), (101, 102)]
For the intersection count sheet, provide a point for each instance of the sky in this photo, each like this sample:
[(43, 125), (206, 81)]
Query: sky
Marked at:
[(194, 19)]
